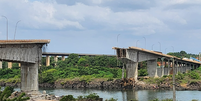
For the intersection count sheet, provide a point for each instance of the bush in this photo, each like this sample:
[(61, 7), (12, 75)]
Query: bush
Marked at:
[(142, 72), (194, 75), (111, 99), (67, 98), (180, 76), (92, 96), (8, 91)]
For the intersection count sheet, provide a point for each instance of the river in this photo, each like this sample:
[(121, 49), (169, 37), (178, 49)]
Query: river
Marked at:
[(125, 95)]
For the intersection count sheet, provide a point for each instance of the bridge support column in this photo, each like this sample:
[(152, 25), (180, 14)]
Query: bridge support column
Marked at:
[(132, 70), (19, 64), (10, 65), (162, 67), (29, 77), (55, 60), (63, 58), (0, 64), (177, 65), (47, 60), (169, 66), (152, 68)]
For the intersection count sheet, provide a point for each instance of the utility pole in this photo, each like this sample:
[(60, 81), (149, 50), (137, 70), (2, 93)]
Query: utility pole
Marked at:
[(173, 78)]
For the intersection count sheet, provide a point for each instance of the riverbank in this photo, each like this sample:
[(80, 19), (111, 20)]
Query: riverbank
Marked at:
[(116, 84)]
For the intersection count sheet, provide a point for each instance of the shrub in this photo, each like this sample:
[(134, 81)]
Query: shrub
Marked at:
[(111, 99), (180, 76), (142, 72), (93, 96), (110, 79), (167, 99), (194, 75), (67, 98)]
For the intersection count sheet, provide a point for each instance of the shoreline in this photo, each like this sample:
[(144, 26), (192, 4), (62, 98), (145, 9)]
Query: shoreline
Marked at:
[(117, 84)]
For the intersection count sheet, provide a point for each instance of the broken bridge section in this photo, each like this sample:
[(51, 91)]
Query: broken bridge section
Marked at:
[(28, 53), (133, 55)]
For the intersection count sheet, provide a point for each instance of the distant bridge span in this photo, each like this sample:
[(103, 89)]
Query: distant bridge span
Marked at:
[(56, 54), (67, 54)]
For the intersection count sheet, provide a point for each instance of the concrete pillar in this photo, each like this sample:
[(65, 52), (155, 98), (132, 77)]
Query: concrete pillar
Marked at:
[(132, 70), (165, 68), (168, 67), (0, 64), (55, 58), (162, 67), (63, 58), (152, 68), (19, 64), (29, 77), (195, 66), (10, 65), (177, 67), (47, 60)]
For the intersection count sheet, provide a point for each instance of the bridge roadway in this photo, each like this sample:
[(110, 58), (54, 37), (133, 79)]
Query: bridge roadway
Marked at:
[(132, 55)]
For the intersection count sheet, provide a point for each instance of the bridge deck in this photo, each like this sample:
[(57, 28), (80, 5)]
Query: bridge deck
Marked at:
[(23, 41), (67, 54), (159, 54)]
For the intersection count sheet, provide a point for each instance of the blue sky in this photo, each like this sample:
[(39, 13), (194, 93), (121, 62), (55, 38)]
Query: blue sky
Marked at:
[(92, 26)]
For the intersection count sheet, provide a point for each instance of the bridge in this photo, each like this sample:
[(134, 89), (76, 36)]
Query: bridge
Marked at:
[(131, 56), (48, 54), (56, 55), (29, 54)]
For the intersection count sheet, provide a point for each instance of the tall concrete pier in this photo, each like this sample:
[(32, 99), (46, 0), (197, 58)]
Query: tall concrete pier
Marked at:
[(28, 53)]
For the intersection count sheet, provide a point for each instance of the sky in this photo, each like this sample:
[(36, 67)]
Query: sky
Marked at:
[(95, 26)]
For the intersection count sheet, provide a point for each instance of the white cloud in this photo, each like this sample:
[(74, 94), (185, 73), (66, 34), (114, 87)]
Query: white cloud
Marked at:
[(151, 18)]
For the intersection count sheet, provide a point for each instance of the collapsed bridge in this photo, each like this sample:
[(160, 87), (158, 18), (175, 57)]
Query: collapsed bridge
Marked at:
[(28, 53), (133, 55)]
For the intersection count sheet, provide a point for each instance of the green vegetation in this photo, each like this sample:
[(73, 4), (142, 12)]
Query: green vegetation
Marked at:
[(183, 54), (190, 77), (90, 97), (7, 92), (80, 68), (83, 68), (167, 99)]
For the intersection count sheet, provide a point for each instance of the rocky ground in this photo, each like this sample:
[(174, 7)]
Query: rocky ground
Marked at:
[(115, 84)]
